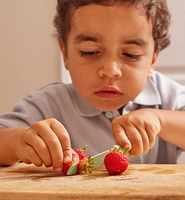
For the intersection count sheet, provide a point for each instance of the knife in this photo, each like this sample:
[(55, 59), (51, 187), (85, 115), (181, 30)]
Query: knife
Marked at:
[(98, 160)]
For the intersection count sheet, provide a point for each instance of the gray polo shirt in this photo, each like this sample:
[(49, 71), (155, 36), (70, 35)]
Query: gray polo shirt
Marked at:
[(87, 125)]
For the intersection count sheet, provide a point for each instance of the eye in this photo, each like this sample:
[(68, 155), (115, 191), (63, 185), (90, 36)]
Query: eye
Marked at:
[(89, 53), (132, 57)]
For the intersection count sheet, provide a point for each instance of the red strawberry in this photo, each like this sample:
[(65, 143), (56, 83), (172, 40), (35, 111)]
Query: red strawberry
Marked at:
[(81, 152), (81, 158), (84, 164), (66, 166), (116, 162)]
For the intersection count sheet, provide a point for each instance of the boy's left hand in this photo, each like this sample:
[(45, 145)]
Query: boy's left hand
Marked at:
[(137, 130)]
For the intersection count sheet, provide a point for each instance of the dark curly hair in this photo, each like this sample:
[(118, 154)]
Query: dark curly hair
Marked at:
[(156, 11)]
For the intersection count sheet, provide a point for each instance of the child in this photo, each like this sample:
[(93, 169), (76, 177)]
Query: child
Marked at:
[(110, 48)]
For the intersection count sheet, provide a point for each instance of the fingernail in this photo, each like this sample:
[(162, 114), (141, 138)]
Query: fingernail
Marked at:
[(67, 159), (127, 146), (58, 169)]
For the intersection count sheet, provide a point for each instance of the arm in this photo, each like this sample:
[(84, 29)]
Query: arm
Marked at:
[(172, 127), (138, 129), (45, 142), (7, 144)]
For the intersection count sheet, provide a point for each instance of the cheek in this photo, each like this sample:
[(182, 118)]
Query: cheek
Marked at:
[(80, 71), (135, 80), (79, 77)]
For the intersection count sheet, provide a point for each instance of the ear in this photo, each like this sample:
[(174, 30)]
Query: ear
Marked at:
[(152, 67), (64, 52)]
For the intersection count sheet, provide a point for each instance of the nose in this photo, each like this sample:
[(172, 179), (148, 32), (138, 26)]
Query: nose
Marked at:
[(111, 70)]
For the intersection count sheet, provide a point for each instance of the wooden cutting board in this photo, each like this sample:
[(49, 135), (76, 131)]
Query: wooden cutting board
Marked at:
[(140, 182)]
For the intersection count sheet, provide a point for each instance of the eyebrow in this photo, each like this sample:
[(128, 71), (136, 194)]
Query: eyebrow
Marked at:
[(83, 38), (138, 41)]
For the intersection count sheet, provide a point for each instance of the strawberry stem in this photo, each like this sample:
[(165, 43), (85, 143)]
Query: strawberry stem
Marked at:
[(126, 150), (83, 148), (119, 148)]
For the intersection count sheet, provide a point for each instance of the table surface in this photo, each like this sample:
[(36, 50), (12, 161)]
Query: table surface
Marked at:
[(151, 182)]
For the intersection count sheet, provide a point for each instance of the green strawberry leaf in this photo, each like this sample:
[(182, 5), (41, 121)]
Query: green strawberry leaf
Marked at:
[(126, 150)]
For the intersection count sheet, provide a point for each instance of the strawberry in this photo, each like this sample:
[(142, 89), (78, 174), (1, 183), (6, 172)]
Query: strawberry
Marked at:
[(81, 158), (66, 166), (81, 153), (116, 162)]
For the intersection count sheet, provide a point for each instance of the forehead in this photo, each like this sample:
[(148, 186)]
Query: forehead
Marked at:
[(98, 18)]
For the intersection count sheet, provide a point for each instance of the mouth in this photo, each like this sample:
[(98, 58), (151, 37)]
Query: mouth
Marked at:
[(108, 93)]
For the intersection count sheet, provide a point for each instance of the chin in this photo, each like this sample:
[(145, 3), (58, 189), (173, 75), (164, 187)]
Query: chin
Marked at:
[(107, 108), (106, 105)]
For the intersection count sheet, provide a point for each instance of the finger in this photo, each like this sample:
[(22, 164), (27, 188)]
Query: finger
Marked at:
[(68, 155), (120, 135), (151, 135), (64, 139), (32, 156), (144, 139), (57, 140), (135, 140), (54, 147), (39, 146)]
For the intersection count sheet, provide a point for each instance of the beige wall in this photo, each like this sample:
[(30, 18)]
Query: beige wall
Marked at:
[(29, 55), (172, 60)]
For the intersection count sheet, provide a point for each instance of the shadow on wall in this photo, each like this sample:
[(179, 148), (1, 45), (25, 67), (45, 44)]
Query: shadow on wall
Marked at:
[(181, 159)]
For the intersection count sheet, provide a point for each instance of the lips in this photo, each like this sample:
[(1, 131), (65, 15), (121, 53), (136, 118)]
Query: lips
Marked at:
[(108, 93)]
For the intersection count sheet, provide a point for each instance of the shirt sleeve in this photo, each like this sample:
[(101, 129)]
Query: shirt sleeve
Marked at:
[(25, 112), (172, 93), (36, 106)]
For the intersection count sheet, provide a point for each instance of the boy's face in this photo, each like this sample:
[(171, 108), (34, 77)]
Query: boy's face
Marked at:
[(110, 54)]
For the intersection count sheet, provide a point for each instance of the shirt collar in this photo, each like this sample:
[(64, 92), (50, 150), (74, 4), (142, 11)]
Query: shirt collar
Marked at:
[(149, 97)]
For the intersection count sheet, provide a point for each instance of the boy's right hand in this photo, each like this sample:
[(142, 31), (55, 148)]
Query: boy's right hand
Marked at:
[(45, 142)]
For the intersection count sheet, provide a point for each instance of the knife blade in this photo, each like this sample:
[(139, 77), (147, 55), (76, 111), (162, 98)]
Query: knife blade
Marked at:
[(98, 161)]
